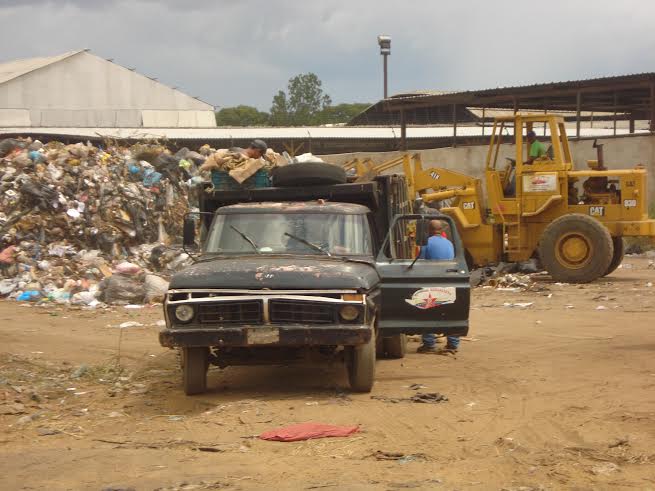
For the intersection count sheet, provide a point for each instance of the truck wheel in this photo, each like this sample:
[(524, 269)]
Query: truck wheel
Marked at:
[(617, 258), (195, 362), (395, 346), (576, 248), (309, 174), (361, 369)]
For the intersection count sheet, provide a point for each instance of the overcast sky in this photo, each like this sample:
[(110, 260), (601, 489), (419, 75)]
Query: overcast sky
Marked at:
[(231, 52)]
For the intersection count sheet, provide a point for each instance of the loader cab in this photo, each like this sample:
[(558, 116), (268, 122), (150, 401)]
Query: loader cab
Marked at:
[(510, 176)]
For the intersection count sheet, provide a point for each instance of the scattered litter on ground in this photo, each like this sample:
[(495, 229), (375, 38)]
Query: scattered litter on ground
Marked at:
[(605, 469), (399, 456), (419, 397), (130, 324), (307, 431), (520, 305)]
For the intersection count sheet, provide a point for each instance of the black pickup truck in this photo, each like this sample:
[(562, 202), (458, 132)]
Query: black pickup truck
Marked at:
[(311, 273)]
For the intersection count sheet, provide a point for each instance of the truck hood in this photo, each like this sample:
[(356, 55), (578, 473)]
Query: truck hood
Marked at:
[(277, 273)]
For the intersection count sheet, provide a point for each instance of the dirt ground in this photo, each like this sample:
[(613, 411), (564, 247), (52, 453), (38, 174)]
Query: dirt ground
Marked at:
[(556, 395)]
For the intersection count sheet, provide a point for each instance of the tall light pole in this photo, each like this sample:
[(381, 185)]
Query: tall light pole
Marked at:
[(385, 50)]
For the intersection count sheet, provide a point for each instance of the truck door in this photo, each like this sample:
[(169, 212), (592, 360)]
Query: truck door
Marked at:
[(422, 295)]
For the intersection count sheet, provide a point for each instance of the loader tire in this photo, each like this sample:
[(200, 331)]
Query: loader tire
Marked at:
[(576, 248), (617, 258), (308, 174)]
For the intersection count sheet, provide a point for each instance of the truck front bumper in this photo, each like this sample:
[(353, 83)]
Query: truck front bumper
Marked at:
[(251, 336)]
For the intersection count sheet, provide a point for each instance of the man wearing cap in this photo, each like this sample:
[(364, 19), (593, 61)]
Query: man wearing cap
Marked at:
[(536, 149), (438, 248), (255, 150)]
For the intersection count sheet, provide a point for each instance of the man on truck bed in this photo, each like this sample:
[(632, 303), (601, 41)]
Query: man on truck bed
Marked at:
[(438, 247)]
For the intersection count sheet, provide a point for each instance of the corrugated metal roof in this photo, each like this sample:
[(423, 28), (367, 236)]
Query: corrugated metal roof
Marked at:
[(13, 69), (304, 133), (571, 83)]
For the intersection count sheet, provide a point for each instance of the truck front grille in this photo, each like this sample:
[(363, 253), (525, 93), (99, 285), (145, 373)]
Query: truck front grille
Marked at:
[(246, 312), (298, 312)]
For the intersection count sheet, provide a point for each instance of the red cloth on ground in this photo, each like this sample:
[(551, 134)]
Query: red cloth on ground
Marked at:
[(307, 431)]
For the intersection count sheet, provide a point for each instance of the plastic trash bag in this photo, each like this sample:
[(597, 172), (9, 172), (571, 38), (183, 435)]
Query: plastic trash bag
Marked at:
[(120, 289), (155, 288)]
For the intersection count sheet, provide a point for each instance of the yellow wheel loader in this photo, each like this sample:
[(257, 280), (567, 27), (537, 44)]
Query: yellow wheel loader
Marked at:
[(573, 221)]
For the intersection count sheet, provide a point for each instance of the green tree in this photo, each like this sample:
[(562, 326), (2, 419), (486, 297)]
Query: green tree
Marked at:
[(280, 110), (242, 116), (341, 113), (302, 103)]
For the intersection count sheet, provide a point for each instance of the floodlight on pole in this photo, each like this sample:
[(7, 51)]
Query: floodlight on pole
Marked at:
[(385, 50)]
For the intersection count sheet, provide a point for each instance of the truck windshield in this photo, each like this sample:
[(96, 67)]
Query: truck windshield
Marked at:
[(340, 235)]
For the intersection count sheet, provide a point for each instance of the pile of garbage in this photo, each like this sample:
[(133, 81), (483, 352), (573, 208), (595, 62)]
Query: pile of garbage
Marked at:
[(87, 224), (515, 277)]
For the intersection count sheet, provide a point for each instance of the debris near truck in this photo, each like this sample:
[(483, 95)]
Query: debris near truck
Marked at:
[(72, 217)]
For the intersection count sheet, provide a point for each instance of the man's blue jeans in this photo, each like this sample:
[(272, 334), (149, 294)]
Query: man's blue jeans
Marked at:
[(429, 340)]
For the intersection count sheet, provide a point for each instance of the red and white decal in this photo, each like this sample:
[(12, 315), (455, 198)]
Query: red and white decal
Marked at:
[(429, 298)]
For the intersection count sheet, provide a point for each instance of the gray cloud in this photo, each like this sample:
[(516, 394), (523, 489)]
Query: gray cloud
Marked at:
[(242, 52)]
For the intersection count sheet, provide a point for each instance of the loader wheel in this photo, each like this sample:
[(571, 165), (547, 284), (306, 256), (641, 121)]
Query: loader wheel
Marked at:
[(195, 362), (361, 366), (617, 258), (576, 248)]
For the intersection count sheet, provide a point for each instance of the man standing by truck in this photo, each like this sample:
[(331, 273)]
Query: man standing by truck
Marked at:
[(438, 248)]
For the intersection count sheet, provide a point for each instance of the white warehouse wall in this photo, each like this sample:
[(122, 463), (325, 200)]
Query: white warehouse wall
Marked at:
[(86, 90)]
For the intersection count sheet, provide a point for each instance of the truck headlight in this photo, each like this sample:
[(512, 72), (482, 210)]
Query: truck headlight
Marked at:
[(349, 313), (184, 313)]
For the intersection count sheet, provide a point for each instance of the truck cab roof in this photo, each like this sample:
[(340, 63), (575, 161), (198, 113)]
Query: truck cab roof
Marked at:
[(316, 206)]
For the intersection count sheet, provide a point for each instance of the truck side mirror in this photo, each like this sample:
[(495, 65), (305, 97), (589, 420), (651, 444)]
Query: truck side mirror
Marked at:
[(189, 232)]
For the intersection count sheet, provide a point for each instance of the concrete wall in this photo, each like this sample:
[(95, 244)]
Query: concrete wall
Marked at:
[(620, 153)]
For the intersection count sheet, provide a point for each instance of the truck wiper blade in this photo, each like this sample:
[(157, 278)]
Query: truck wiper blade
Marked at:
[(246, 238), (307, 243)]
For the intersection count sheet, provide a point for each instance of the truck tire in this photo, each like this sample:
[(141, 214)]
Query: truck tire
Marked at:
[(195, 362), (308, 174), (395, 346), (361, 369), (576, 248), (617, 257)]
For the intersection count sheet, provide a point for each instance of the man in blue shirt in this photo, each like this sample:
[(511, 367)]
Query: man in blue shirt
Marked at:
[(438, 248)]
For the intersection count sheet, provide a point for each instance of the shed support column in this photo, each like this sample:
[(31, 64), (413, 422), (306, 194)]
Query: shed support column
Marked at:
[(454, 125), (483, 115), (545, 112), (403, 131), (632, 122), (614, 124), (652, 107), (516, 109), (578, 104)]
